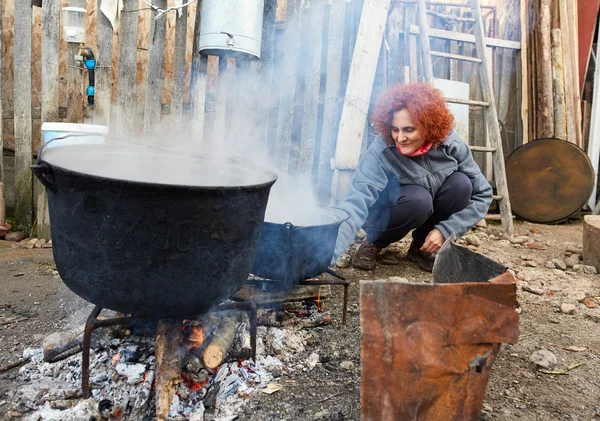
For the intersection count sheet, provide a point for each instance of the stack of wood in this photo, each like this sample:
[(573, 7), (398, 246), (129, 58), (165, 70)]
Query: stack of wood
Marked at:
[(214, 340), (551, 97)]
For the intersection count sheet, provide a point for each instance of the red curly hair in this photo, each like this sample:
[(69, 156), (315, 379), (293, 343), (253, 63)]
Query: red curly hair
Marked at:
[(425, 105)]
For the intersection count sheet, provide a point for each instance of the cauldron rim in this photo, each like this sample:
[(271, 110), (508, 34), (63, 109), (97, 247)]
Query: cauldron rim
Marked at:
[(246, 165), (124, 182)]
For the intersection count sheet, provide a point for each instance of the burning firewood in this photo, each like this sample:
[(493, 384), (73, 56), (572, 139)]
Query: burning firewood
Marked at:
[(168, 365), (217, 349)]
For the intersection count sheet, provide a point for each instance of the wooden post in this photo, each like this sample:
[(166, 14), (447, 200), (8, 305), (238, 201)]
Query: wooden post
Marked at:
[(75, 77), (22, 116), (312, 84), (545, 107), (360, 83), (126, 113), (156, 66), (288, 92), (332, 97), (179, 69), (104, 47), (198, 81)]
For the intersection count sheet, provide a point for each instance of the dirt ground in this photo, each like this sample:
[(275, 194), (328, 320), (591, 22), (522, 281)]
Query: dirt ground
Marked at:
[(34, 303)]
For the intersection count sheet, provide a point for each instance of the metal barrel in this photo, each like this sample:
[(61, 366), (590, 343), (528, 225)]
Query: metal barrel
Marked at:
[(232, 26)]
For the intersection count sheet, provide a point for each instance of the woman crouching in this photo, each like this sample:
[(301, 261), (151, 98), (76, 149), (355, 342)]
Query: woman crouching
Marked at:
[(417, 174)]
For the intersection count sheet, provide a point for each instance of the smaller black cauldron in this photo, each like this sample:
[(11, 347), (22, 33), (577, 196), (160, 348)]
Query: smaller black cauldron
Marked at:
[(290, 253)]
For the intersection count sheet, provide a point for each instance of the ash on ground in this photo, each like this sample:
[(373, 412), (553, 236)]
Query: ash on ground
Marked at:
[(122, 374)]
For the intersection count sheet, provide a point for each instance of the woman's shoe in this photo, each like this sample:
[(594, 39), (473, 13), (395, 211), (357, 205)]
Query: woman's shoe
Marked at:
[(366, 256), (423, 258)]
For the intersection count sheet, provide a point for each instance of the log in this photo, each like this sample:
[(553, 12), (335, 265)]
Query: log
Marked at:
[(216, 352), (60, 342), (168, 364)]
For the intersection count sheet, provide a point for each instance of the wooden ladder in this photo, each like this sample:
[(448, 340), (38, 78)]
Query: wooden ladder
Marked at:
[(488, 103)]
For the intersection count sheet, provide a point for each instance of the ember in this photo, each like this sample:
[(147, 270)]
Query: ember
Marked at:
[(196, 337)]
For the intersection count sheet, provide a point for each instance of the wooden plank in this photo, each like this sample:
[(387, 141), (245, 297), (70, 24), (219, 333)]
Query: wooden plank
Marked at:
[(50, 53), (126, 115), (312, 84), (285, 116), (467, 102), (1, 103), (22, 116), (458, 36), (524, 74), (424, 39), (75, 77), (331, 110), (104, 51), (50, 42), (198, 81), (360, 83), (558, 85), (491, 116), (393, 49), (573, 46), (156, 72), (545, 106), (267, 58), (177, 95), (455, 56)]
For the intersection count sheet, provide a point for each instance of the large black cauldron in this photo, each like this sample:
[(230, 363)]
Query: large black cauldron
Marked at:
[(152, 232)]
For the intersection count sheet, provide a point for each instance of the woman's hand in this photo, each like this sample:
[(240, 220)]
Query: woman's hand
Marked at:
[(433, 242)]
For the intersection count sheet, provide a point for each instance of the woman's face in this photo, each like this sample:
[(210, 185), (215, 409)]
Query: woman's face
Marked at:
[(406, 136)]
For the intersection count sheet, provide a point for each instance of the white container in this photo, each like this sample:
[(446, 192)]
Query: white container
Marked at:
[(82, 133), (231, 26), (74, 24)]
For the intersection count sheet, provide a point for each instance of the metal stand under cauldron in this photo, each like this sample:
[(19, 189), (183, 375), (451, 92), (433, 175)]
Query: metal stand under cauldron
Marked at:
[(94, 323), (329, 277)]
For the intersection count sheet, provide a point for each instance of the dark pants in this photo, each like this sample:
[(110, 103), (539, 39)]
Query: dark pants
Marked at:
[(400, 209)]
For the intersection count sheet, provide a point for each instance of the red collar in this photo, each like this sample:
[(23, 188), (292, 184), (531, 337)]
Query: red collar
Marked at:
[(423, 149)]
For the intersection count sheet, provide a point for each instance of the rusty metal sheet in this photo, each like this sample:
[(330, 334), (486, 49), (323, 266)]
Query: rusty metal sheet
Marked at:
[(427, 349), (548, 180)]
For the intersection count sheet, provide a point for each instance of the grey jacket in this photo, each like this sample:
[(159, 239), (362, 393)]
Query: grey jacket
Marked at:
[(382, 164)]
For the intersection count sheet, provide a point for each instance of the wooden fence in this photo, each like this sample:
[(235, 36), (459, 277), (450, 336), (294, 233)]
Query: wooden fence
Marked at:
[(148, 78)]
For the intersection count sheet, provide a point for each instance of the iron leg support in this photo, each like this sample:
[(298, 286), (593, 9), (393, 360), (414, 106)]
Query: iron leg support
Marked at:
[(85, 352)]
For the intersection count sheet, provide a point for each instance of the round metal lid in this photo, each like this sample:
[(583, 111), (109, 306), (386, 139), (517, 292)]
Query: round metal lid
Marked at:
[(548, 180)]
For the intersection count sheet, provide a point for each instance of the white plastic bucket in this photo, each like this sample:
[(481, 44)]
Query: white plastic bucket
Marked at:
[(84, 133)]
